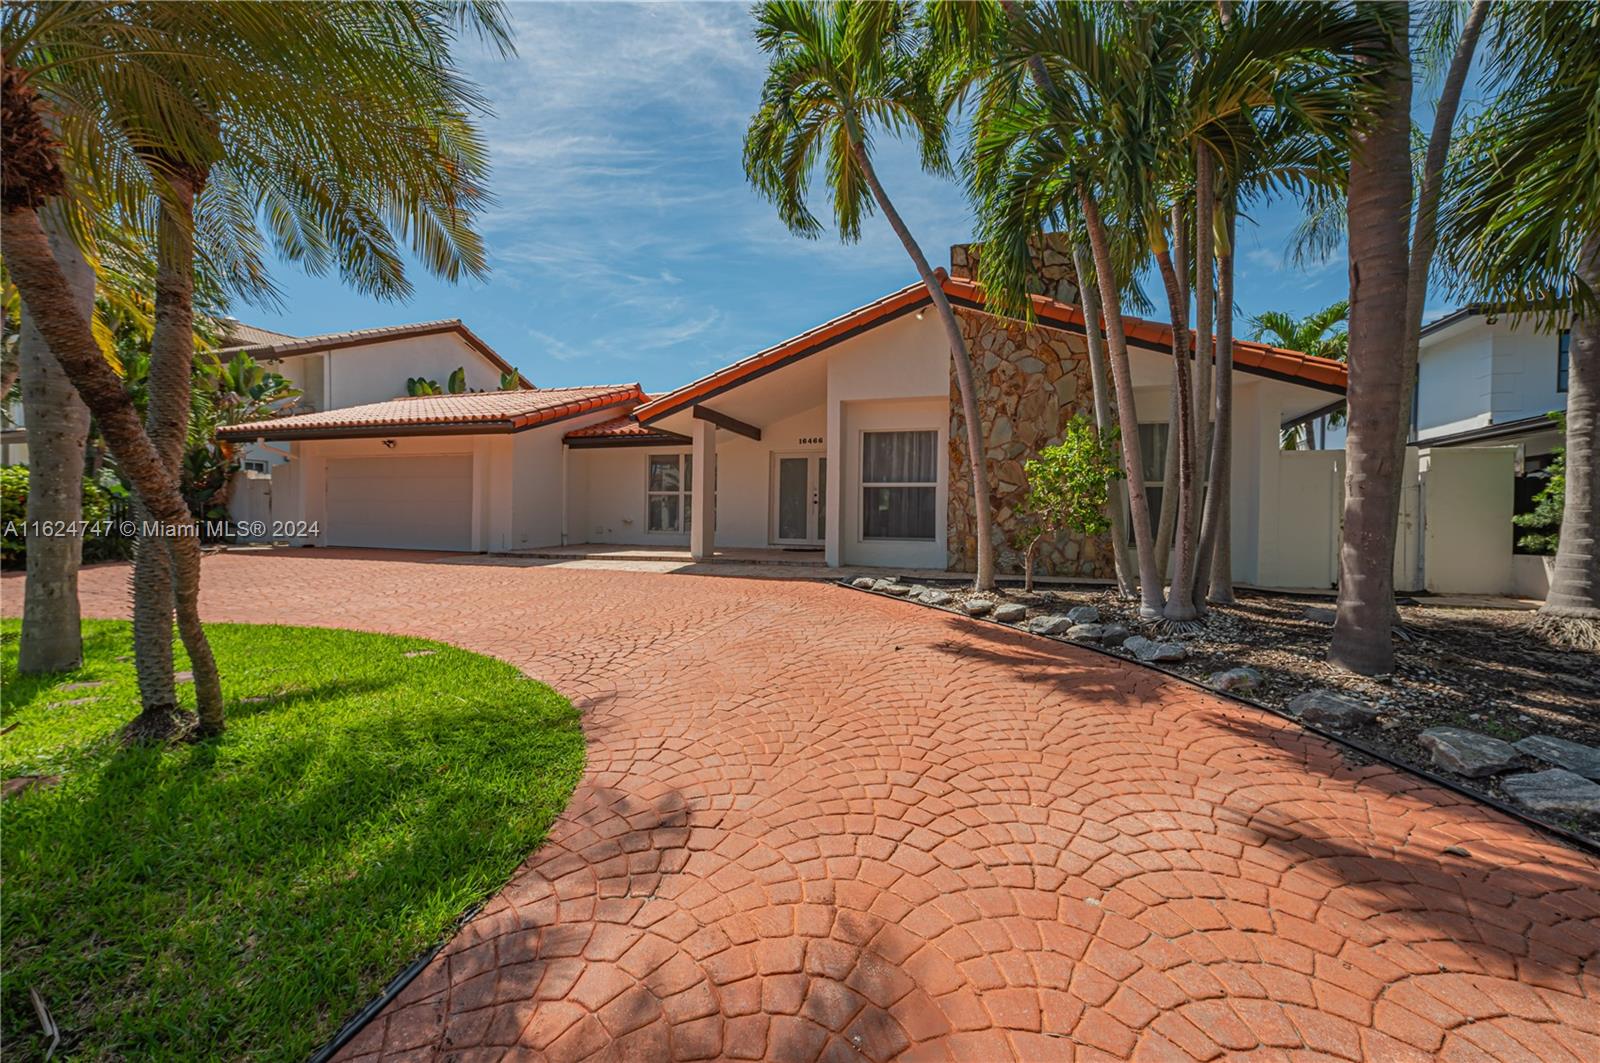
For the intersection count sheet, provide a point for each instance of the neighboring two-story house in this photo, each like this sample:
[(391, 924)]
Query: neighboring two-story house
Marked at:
[(1487, 380)]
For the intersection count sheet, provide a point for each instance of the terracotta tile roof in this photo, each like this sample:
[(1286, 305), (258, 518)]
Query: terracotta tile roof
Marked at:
[(1260, 359), (623, 431), (292, 346), (236, 334), (481, 412)]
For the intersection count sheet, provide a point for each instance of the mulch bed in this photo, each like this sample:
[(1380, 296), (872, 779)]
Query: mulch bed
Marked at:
[(1479, 669)]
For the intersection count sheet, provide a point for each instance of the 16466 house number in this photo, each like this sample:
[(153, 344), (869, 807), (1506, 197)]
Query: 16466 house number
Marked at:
[(809, 441)]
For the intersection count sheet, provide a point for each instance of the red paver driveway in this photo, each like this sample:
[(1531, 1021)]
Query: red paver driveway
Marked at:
[(821, 824)]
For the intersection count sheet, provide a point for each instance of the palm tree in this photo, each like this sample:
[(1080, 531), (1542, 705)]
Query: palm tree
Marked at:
[(340, 127), (1321, 334), (1521, 227), (1145, 110), (58, 427), (1388, 286), (839, 72)]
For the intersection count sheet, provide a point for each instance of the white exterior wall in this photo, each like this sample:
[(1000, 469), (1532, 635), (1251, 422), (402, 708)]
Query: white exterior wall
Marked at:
[(1454, 382), (895, 377), (1525, 361), (374, 372), (606, 497)]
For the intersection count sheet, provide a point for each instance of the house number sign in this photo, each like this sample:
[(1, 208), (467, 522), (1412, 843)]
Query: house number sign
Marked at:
[(810, 440)]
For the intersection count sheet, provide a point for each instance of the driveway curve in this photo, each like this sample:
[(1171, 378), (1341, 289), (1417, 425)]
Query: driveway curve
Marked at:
[(818, 824)]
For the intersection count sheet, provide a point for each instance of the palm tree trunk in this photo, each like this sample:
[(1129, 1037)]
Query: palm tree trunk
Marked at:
[(1204, 299), (172, 357), (1151, 600), (1571, 610), (1167, 521), (976, 454), (58, 429), (1216, 549), (1180, 599), (49, 299), (1379, 209), (167, 423), (1105, 417)]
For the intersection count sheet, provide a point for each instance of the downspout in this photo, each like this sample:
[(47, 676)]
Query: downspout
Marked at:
[(566, 449)]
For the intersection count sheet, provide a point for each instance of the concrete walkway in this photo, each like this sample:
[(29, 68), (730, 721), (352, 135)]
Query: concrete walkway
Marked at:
[(821, 824)]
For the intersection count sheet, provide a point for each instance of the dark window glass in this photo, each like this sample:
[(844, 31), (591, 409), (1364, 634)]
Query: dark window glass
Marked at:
[(898, 512)]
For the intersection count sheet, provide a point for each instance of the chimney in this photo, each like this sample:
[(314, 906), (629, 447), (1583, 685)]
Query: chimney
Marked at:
[(1053, 274)]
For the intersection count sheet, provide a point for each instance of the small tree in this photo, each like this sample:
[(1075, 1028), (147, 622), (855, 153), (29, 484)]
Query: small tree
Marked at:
[(1069, 487)]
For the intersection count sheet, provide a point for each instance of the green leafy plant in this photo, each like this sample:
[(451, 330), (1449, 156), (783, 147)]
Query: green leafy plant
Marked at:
[(457, 384), (1544, 521), (14, 509), (1069, 487), (509, 381), (417, 385)]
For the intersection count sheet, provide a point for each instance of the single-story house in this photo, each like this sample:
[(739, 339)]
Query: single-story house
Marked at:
[(846, 440)]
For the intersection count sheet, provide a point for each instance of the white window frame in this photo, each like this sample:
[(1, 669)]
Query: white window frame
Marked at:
[(865, 485), (256, 465), (1145, 485), (684, 493)]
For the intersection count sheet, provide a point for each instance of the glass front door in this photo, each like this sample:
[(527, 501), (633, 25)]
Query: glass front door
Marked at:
[(799, 511)]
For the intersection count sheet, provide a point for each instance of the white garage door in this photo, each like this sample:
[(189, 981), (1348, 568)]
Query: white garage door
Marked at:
[(401, 503)]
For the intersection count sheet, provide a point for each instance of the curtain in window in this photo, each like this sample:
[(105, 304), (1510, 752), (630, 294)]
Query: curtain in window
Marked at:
[(899, 474), (900, 457)]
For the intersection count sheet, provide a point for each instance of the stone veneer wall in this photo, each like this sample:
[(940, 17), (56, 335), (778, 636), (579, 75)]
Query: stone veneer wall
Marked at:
[(1030, 381), (1053, 273)]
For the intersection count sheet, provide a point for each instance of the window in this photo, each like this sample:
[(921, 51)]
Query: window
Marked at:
[(1563, 353), (899, 478), (1153, 453), (671, 481), (257, 465)]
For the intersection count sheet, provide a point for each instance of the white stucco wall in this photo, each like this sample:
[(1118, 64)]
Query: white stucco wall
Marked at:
[(373, 372), (1524, 380), (895, 377), (1454, 382)]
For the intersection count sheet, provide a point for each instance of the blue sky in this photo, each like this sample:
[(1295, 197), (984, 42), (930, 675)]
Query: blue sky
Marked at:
[(626, 245)]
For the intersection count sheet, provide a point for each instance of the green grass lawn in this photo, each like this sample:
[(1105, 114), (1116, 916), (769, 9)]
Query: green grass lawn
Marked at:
[(241, 898)]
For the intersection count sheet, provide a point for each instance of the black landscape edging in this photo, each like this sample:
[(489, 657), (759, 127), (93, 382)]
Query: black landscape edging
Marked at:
[(1571, 837), (358, 1022)]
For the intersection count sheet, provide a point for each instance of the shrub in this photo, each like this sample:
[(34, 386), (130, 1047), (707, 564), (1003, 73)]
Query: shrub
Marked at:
[(1069, 486), (14, 510)]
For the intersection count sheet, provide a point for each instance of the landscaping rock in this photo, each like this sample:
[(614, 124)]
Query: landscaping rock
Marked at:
[(863, 583), (1010, 613), (1086, 632), (1113, 634), (977, 606), (183, 677), (1332, 708), (934, 596), (1050, 625), (1556, 790), (1151, 650), (1467, 752), (894, 590), (1084, 614), (1318, 615), (1235, 679), (1574, 756)]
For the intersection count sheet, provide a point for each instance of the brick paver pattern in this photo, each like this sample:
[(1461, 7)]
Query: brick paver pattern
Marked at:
[(819, 824)]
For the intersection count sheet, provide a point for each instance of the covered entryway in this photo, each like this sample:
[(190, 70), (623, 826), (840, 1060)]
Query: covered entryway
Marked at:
[(408, 503)]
